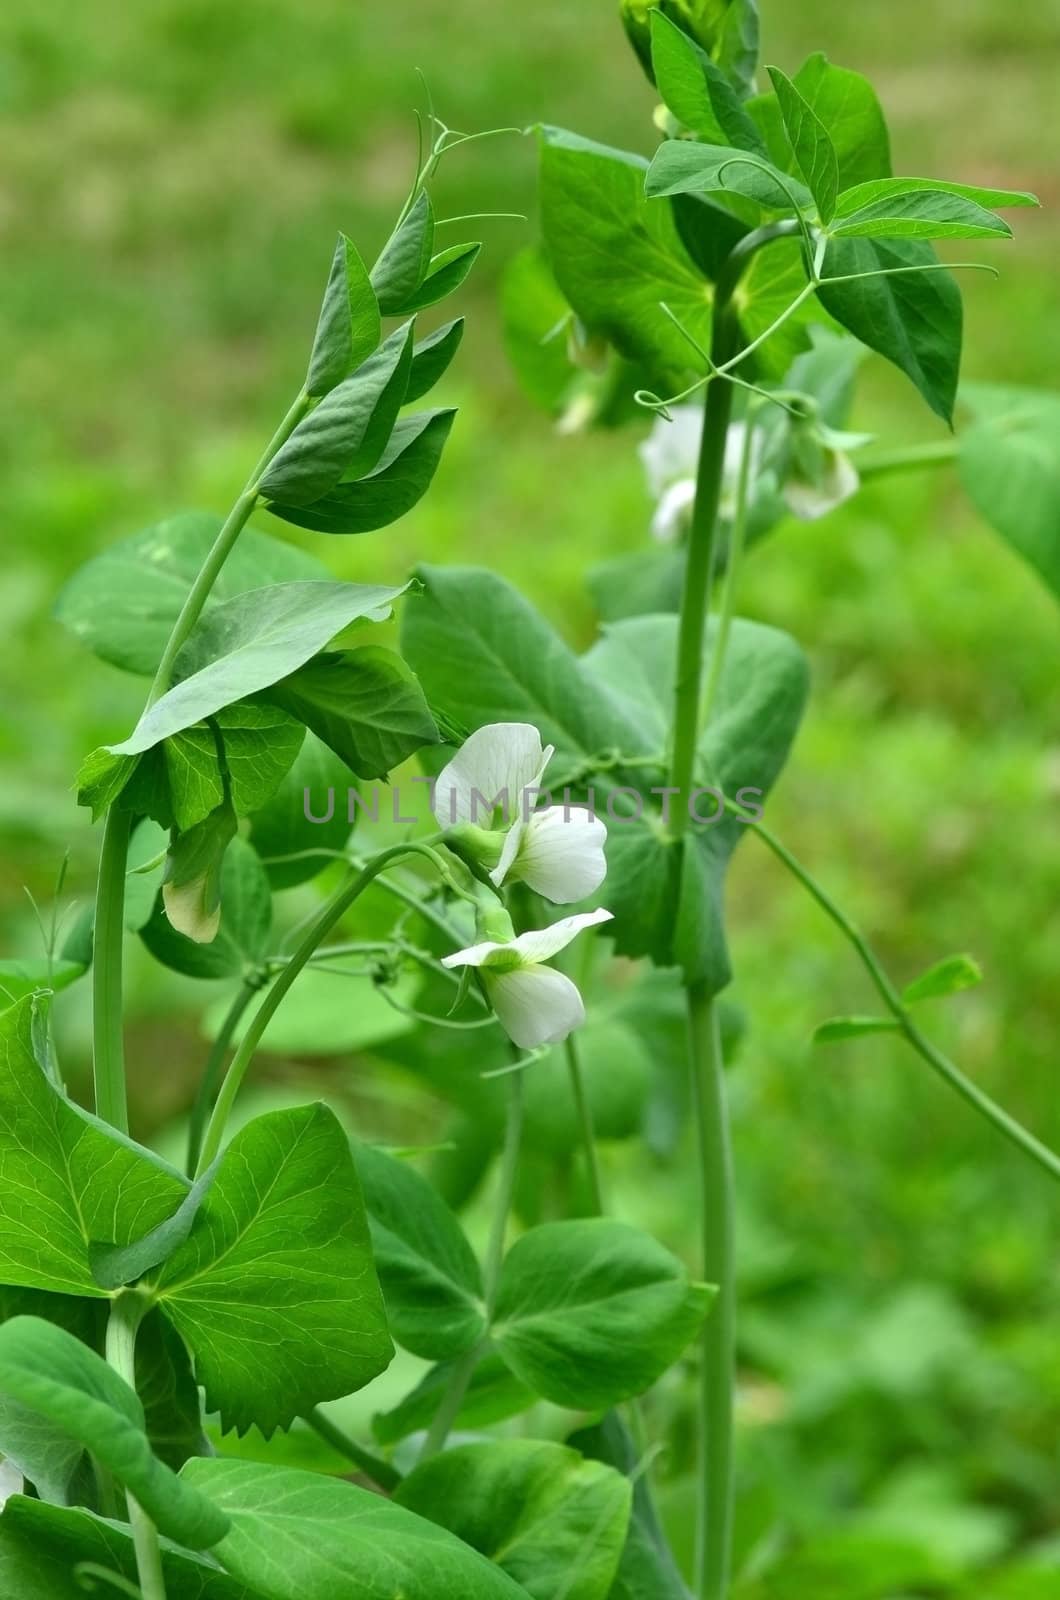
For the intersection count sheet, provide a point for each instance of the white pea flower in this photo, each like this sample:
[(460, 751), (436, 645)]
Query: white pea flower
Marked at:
[(489, 789), (821, 476), (535, 1004), (670, 455)]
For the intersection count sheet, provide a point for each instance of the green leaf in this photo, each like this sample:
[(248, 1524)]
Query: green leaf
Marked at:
[(282, 828), (430, 1277), (169, 1394), (193, 775), (726, 29), (431, 358), (646, 1569), (248, 644), (101, 778), (274, 1290), (923, 214), (246, 920), (447, 272), (405, 259), (847, 105), (68, 1179), (123, 603), (348, 329), (42, 1547), (840, 1028), (696, 91), (337, 1542), (148, 841), (261, 743), (399, 482), (493, 1395), (682, 167), (191, 884), (882, 191), (1009, 461), (555, 1523), (21, 978), (79, 1398), (946, 977), (709, 231), (814, 151), (593, 1312), (615, 256), (913, 318), (769, 285), (347, 432), (366, 704)]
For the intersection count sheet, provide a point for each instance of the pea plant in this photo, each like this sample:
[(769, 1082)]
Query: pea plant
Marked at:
[(725, 290)]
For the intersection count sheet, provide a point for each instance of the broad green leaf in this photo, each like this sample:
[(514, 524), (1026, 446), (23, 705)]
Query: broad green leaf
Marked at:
[(347, 432), (169, 1393), (142, 880), (683, 167), (123, 603), (300, 1536), (115, 1265), (348, 328), (554, 1522), (447, 272), (366, 704), (68, 1179), (77, 1396), (101, 778), (709, 231), (593, 1312), (946, 977), (923, 214), (405, 259), (42, 1546), (642, 582), (329, 1014), (282, 827), (770, 283), (274, 1290), (883, 191), (760, 699), (21, 978), (431, 358), (696, 91), (536, 319), (1009, 461), (646, 1569), (847, 104), (398, 483), (261, 743), (430, 1277), (615, 256), (493, 1395), (837, 1029), (913, 318), (248, 644), (246, 919), (814, 151), (194, 779)]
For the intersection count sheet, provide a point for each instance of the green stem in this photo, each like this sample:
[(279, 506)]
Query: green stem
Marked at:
[(585, 1122), (714, 1521), (333, 912), (214, 1067), (462, 1373), (912, 459), (380, 1472), (126, 1314), (727, 605), (108, 1043), (942, 1065)]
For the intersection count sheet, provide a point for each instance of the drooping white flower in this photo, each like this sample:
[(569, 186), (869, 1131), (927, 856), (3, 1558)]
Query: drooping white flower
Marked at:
[(493, 783), (535, 1004), (670, 455), (837, 481)]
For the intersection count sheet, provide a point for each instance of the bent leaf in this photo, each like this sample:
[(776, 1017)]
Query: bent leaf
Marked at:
[(924, 214), (431, 358), (696, 91), (274, 1290), (814, 151), (447, 272), (946, 977), (348, 328), (682, 167), (405, 258), (248, 644), (836, 1029), (366, 704)]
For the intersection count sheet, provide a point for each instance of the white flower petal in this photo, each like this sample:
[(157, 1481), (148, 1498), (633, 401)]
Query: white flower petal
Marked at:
[(671, 449), (541, 944), (522, 810), (561, 854), (535, 1005), (498, 761), (475, 955), (810, 501), (673, 511)]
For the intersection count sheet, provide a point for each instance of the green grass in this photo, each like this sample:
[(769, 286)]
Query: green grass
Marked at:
[(174, 174)]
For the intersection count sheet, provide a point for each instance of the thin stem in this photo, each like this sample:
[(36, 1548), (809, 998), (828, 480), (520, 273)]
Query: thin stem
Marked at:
[(585, 1122), (732, 568), (332, 913), (215, 1061), (108, 1041), (941, 454), (380, 1471), (126, 1314), (462, 1373), (714, 1521), (942, 1065)]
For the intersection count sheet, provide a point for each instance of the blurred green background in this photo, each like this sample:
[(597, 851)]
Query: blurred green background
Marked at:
[(172, 174)]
